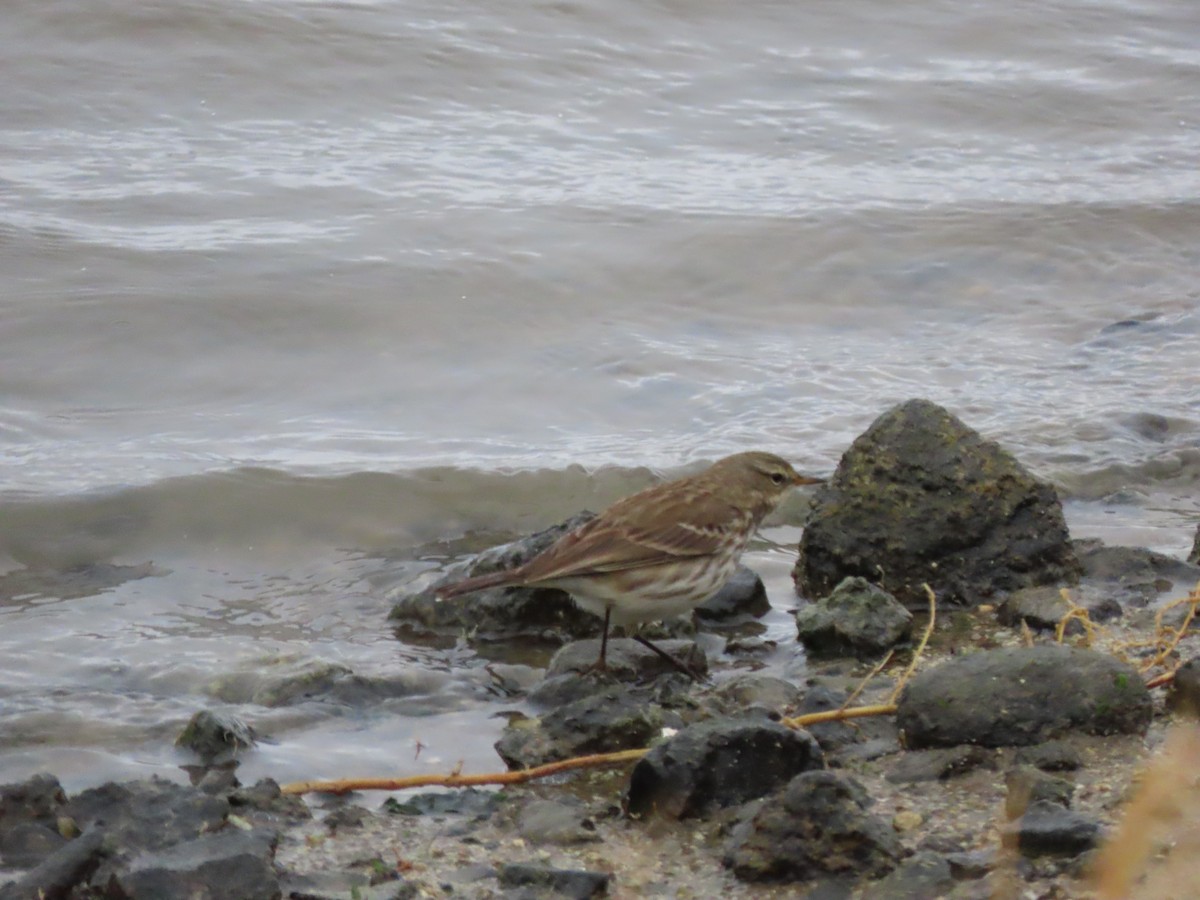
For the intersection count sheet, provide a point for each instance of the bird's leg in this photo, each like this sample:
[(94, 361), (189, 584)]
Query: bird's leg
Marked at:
[(602, 662), (676, 664)]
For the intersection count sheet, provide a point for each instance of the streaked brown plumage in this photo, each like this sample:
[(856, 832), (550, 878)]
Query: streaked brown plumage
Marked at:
[(660, 552)]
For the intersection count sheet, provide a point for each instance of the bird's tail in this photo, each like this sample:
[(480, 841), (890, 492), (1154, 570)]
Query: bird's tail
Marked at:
[(505, 578)]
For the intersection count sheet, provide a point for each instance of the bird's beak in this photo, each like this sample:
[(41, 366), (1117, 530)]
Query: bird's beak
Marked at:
[(807, 479)]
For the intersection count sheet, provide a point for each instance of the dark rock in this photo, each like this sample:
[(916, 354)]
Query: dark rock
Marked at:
[(567, 883), (29, 812), (921, 498), (26, 844), (818, 824), (1194, 556), (1184, 696), (938, 765), (717, 764), (59, 875), (742, 595), (325, 885), (39, 799), (1022, 695), (1048, 829), (463, 802), (748, 690), (347, 818), (1027, 786), (1133, 575), (857, 619), (967, 865), (314, 680), (628, 660), (1045, 607), (919, 877), (264, 796), (147, 815), (555, 822), (1050, 756), (614, 719), (213, 734), (501, 613), (231, 863), (220, 778)]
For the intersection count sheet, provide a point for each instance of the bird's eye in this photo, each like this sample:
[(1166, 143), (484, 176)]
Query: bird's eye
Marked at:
[(778, 477)]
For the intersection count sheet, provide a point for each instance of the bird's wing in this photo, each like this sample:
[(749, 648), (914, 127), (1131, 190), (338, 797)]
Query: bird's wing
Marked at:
[(647, 529)]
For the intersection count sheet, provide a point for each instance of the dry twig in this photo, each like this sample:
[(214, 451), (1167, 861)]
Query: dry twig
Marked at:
[(920, 647)]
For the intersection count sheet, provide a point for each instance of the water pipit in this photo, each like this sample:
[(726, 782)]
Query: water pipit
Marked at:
[(660, 552)]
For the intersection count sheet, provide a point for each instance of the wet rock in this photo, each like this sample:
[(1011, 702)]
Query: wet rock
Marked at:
[(967, 865), (1050, 756), (147, 815), (471, 802), (1022, 695), (1026, 786), (1194, 556), (328, 886), (232, 863), (215, 734), (29, 812), (750, 691), (919, 877), (220, 778), (347, 818), (265, 803), (717, 764), (39, 799), (25, 844), (1184, 696), (1045, 607), (818, 824), (938, 765), (555, 822), (577, 884), (313, 679), (922, 498), (60, 875), (742, 595), (501, 613), (857, 619), (1047, 829), (617, 718), (1133, 575), (628, 660)]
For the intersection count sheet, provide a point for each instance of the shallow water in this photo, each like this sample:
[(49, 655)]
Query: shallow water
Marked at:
[(301, 297)]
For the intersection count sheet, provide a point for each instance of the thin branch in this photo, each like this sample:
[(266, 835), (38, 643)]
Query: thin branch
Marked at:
[(862, 684), (920, 647), (456, 779), (837, 715)]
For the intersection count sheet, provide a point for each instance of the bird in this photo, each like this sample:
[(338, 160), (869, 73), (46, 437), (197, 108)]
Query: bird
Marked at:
[(660, 552)]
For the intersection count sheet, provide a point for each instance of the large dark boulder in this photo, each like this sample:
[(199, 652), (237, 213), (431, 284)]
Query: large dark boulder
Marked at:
[(1022, 695), (920, 498)]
